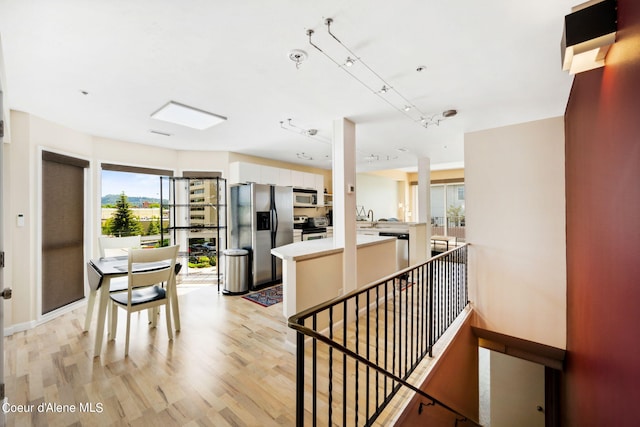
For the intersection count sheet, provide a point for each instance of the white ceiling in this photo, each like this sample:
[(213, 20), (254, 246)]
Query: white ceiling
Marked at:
[(496, 61)]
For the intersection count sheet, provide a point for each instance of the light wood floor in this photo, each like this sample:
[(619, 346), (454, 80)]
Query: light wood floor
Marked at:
[(227, 367)]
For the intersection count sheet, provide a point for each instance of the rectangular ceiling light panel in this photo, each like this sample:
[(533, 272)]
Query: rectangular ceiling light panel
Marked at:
[(174, 112)]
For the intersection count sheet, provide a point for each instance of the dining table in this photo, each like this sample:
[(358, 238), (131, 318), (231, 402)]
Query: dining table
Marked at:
[(100, 272)]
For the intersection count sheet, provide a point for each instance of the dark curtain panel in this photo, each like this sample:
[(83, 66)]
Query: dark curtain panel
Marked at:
[(62, 230)]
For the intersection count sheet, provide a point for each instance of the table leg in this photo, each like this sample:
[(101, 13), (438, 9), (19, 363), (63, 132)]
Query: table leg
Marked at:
[(90, 303), (102, 313)]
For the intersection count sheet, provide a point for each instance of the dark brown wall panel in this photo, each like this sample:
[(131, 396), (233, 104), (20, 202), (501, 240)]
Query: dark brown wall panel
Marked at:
[(602, 123), (454, 381)]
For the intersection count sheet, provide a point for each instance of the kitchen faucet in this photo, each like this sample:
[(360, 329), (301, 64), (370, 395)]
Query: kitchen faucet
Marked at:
[(370, 212)]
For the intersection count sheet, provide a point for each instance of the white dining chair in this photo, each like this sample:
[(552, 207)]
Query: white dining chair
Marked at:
[(117, 246), (147, 270), (109, 246)]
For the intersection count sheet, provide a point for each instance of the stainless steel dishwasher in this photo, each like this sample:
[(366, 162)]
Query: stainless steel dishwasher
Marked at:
[(402, 248)]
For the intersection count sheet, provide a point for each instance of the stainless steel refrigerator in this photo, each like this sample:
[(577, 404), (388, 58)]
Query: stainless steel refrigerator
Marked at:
[(261, 219)]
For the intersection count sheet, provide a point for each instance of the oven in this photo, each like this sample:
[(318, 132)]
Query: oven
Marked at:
[(311, 228), (313, 233)]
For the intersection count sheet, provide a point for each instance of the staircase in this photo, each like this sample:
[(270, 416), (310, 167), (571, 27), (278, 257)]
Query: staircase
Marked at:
[(358, 355)]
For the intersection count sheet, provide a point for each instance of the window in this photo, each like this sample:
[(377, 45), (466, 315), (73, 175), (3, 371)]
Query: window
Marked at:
[(130, 201)]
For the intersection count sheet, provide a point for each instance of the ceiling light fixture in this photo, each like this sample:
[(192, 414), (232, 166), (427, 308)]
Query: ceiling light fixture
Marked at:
[(436, 119), (371, 80), (375, 157), (180, 114), (588, 33), (311, 133), (298, 56), (303, 156)]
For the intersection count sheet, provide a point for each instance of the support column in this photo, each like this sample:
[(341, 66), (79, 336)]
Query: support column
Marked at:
[(344, 197), (424, 197)]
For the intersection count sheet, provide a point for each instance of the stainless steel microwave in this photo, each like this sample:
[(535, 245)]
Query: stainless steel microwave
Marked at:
[(305, 197)]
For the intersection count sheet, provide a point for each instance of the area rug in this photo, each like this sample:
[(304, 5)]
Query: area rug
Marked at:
[(266, 297)]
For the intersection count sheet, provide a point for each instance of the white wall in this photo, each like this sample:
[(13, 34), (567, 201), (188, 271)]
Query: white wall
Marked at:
[(21, 169), (514, 178), (379, 194)]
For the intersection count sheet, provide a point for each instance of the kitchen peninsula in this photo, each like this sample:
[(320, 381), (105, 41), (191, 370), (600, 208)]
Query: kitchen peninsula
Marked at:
[(312, 270)]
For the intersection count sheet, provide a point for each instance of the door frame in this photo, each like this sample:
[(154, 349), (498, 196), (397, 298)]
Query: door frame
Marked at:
[(3, 397)]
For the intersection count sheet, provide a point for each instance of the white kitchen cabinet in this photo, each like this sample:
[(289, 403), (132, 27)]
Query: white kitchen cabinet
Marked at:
[(297, 179), (234, 173), (269, 175), (284, 177), (241, 172), (309, 180)]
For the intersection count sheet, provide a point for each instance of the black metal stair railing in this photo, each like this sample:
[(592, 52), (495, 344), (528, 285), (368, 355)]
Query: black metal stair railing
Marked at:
[(354, 353)]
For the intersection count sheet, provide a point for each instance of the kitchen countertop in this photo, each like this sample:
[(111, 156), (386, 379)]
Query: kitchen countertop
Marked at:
[(376, 227), (387, 224), (320, 247)]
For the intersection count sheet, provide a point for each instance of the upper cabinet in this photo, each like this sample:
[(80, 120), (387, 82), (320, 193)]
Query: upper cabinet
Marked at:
[(285, 177), (269, 175), (241, 172)]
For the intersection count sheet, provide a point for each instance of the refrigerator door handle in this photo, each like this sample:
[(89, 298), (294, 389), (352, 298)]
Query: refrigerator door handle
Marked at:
[(275, 223), (274, 208)]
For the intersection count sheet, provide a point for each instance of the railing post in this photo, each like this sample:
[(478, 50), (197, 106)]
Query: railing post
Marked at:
[(300, 377), (430, 326), (465, 254)]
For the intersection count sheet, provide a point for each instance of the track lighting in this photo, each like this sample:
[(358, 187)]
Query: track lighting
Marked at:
[(311, 133), (303, 156), (371, 80), (435, 119), (375, 157)]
